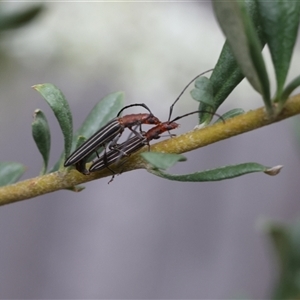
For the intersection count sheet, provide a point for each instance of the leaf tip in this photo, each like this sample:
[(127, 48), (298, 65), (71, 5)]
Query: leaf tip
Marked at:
[(36, 113), (76, 188), (36, 86), (274, 170)]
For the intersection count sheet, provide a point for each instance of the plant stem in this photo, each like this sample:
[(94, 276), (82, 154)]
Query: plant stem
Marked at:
[(68, 178)]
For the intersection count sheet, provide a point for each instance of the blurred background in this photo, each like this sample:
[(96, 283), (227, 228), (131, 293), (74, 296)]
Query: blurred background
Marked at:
[(140, 236)]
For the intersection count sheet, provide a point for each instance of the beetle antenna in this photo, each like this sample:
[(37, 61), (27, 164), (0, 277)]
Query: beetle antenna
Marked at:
[(171, 107), (198, 111), (135, 104)]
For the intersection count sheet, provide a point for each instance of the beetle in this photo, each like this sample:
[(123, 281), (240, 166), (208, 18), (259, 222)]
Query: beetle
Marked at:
[(130, 146), (109, 133)]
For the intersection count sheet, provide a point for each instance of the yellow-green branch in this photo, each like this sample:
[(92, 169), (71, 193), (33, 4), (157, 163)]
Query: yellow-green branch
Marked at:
[(198, 138)]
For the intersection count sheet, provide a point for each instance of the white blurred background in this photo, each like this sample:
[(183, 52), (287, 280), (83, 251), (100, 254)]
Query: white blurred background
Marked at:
[(140, 236)]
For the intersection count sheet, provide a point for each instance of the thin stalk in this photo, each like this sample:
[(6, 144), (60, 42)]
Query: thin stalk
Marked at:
[(189, 141)]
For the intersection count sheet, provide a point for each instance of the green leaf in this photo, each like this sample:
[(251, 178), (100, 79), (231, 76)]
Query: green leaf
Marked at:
[(227, 74), (286, 241), (203, 92), (280, 238), (58, 103), (245, 43), (18, 19), (230, 114), (76, 188), (80, 140), (10, 172), (221, 173), (289, 89), (41, 136), (162, 161), (225, 77), (280, 21)]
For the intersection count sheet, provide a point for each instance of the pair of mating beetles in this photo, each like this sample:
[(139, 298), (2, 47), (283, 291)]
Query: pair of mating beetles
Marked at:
[(109, 135)]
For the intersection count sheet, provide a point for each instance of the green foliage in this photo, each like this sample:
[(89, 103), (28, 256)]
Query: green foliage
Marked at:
[(58, 103), (17, 19), (41, 136), (203, 93), (225, 77), (230, 114), (10, 172), (162, 160), (228, 73), (289, 89), (280, 21), (222, 173), (248, 25), (286, 242), (244, 42)]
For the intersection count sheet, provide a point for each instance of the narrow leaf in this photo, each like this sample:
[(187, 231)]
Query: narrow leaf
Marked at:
[(203, 93), (10, 172), (286, 239), (245, 44), (225, 77), (162, 160), (289, 89), (280, 239), (18, 19), (41, 136), (76, 188), (230, 114), (280, 21), (80, 140), (221, 173), (58, 103)]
